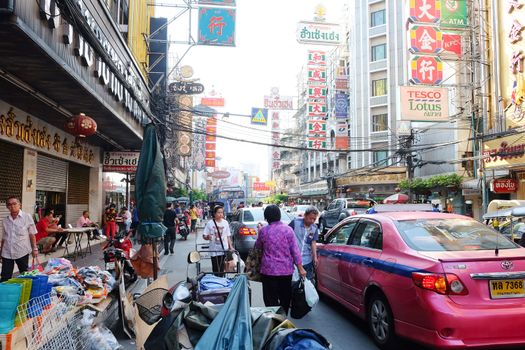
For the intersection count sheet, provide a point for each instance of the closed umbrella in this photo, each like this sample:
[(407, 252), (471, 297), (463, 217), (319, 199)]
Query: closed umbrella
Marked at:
[(150, 191), (398, 198)]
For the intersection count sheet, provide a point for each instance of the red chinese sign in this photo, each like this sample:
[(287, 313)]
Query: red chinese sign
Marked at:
[(316, 58), (261, 186), (317, 74), (426, 39), (425, 11), (427, 70), (211, 139), (504, 186)]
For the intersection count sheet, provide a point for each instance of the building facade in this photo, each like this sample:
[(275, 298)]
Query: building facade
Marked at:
[(60, 59)]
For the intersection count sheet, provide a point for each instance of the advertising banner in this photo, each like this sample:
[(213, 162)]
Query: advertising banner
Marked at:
[(199, 144), (504, 152), (426, 70), (216, 26), (452, 44), (341, 105), (211, 139), (342, 141), (261, 187), (424, 103), (425, 11), (316, 58), (318, 33), (212, 101), (454, 14), (217, 2), (341, 84)]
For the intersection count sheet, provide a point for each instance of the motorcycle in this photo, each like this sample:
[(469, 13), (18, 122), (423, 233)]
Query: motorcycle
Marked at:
[(117, 253), (182, 227)]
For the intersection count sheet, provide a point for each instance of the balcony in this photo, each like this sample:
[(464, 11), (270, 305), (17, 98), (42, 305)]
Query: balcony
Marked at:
[(377, 31), (378, 100), (377, 65)]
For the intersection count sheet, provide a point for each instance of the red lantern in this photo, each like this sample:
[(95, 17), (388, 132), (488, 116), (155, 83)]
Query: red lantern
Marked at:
[(81, 125)]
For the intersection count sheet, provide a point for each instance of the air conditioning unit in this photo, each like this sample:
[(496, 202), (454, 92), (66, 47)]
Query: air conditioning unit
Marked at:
[(7, 6)]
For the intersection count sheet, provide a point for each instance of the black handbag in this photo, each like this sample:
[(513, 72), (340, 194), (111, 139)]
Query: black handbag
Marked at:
[(299, 305)]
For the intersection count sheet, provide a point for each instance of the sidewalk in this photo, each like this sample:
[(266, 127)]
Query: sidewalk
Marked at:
[(44, 258)]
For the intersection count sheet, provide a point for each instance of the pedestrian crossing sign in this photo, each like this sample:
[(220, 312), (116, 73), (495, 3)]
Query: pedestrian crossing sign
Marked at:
[(259, 116)]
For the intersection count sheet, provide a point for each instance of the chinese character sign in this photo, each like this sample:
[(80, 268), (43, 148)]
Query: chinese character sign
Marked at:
[(316, 58), (426, 70), (216, 26), (425, 39), (317, 142), (317, 92), (317, 109), (317, 74), (317, 127), (211, 139), (425, 11)]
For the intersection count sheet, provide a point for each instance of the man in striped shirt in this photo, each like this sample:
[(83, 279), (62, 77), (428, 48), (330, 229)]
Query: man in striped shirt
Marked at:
[(18, 240)]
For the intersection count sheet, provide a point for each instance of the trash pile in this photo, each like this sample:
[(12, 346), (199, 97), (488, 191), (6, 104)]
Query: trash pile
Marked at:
[(90, 284)]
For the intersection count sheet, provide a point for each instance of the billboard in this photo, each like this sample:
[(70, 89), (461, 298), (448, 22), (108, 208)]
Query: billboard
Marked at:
[(121, 162), (278, 103), (426, 70), (425, 40), (318, 33), (341, 105), (454, 14), (425, 11), (429, 104)]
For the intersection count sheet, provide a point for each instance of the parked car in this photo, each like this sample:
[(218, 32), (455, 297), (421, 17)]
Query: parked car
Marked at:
[(244, 227), (443, 280), (298, 210), (340, 209)]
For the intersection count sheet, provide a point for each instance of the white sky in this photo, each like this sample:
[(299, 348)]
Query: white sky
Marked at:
[(266, 55)]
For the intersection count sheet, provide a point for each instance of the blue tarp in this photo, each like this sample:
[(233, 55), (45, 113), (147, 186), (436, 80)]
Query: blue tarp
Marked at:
[(232, 328), (209, 282)]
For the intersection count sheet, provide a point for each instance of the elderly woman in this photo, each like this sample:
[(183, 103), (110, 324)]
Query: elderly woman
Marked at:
[(279, 254)]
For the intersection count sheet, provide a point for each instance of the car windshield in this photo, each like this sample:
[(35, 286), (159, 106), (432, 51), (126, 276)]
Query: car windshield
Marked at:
[(451, 235), (302, 207)]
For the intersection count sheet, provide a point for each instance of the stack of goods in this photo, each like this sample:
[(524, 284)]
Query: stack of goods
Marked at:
[(89, 284)]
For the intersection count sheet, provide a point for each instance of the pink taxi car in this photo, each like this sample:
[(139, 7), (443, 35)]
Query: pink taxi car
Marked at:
[(442, 280)]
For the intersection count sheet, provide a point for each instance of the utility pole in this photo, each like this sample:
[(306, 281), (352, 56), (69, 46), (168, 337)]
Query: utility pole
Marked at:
[(406, 153)]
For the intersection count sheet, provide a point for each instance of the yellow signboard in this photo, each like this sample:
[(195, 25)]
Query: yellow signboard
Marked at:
[(504, 152)]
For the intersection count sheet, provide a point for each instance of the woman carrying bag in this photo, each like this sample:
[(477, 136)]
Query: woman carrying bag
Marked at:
[(217, 231), (279, 254)]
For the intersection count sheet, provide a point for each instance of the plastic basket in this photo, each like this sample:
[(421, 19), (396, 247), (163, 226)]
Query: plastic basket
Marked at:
[(26, 284), (149, 305), (39, 290), (9, 299)]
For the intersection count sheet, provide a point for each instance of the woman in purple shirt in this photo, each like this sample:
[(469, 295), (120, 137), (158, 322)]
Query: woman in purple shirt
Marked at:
[(279, 253)]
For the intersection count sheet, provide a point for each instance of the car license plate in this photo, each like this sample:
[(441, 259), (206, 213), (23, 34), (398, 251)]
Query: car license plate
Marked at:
[(501, 289), (110, 266)]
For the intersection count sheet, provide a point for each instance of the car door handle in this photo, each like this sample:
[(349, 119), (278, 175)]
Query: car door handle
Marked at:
[(368, 262)]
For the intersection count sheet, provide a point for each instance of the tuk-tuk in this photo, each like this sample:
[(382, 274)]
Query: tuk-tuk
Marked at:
[(508, 227)]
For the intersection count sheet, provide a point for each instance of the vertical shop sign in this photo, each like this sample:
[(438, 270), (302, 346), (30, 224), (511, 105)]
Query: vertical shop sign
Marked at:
[(216, 26), (316, 109), (211, 140), (426, 70), (317, 142), (425, 11), (454, 14), (316, 58), (342, 142), (341, 105), (317, 92), (426, 40), (317, 127), (276, 152), (317, 75)]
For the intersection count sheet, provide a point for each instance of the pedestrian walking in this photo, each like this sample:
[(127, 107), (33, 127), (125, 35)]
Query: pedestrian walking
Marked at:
[(170, 218), (18, 241), (307, 233), (217, 231), (279, 254), (194, 215), (110, 217)]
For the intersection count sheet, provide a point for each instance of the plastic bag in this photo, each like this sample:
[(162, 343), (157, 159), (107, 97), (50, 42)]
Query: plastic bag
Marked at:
[(295, 275), (101, 338), (310, 293), (231, 265), (36, 265), (299, 305)]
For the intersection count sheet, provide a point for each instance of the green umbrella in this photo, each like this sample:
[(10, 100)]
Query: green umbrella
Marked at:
[(150, 187)]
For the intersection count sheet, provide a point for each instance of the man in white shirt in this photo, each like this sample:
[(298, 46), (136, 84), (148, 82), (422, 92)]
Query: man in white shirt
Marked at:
[(18, 241), (85, 221)]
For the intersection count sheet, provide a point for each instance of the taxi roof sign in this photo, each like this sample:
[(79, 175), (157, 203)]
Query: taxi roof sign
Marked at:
[(259, 116), (386, 208)]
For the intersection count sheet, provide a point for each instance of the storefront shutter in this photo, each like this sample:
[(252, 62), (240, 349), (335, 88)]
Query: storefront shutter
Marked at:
[(51, 174), (77, 192), (12, 159)]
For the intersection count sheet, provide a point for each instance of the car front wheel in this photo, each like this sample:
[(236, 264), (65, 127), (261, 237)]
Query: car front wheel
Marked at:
[(381, 322)]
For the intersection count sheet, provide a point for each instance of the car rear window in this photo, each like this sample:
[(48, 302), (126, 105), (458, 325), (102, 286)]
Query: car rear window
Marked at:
[(358, 204), (451, 235), (253, 215)]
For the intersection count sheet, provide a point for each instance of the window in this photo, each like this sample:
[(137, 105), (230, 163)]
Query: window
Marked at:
[(380, 158), (342, 234), (379, 122), (377, 18), (378, 52), (379, 87), (368, 234)]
